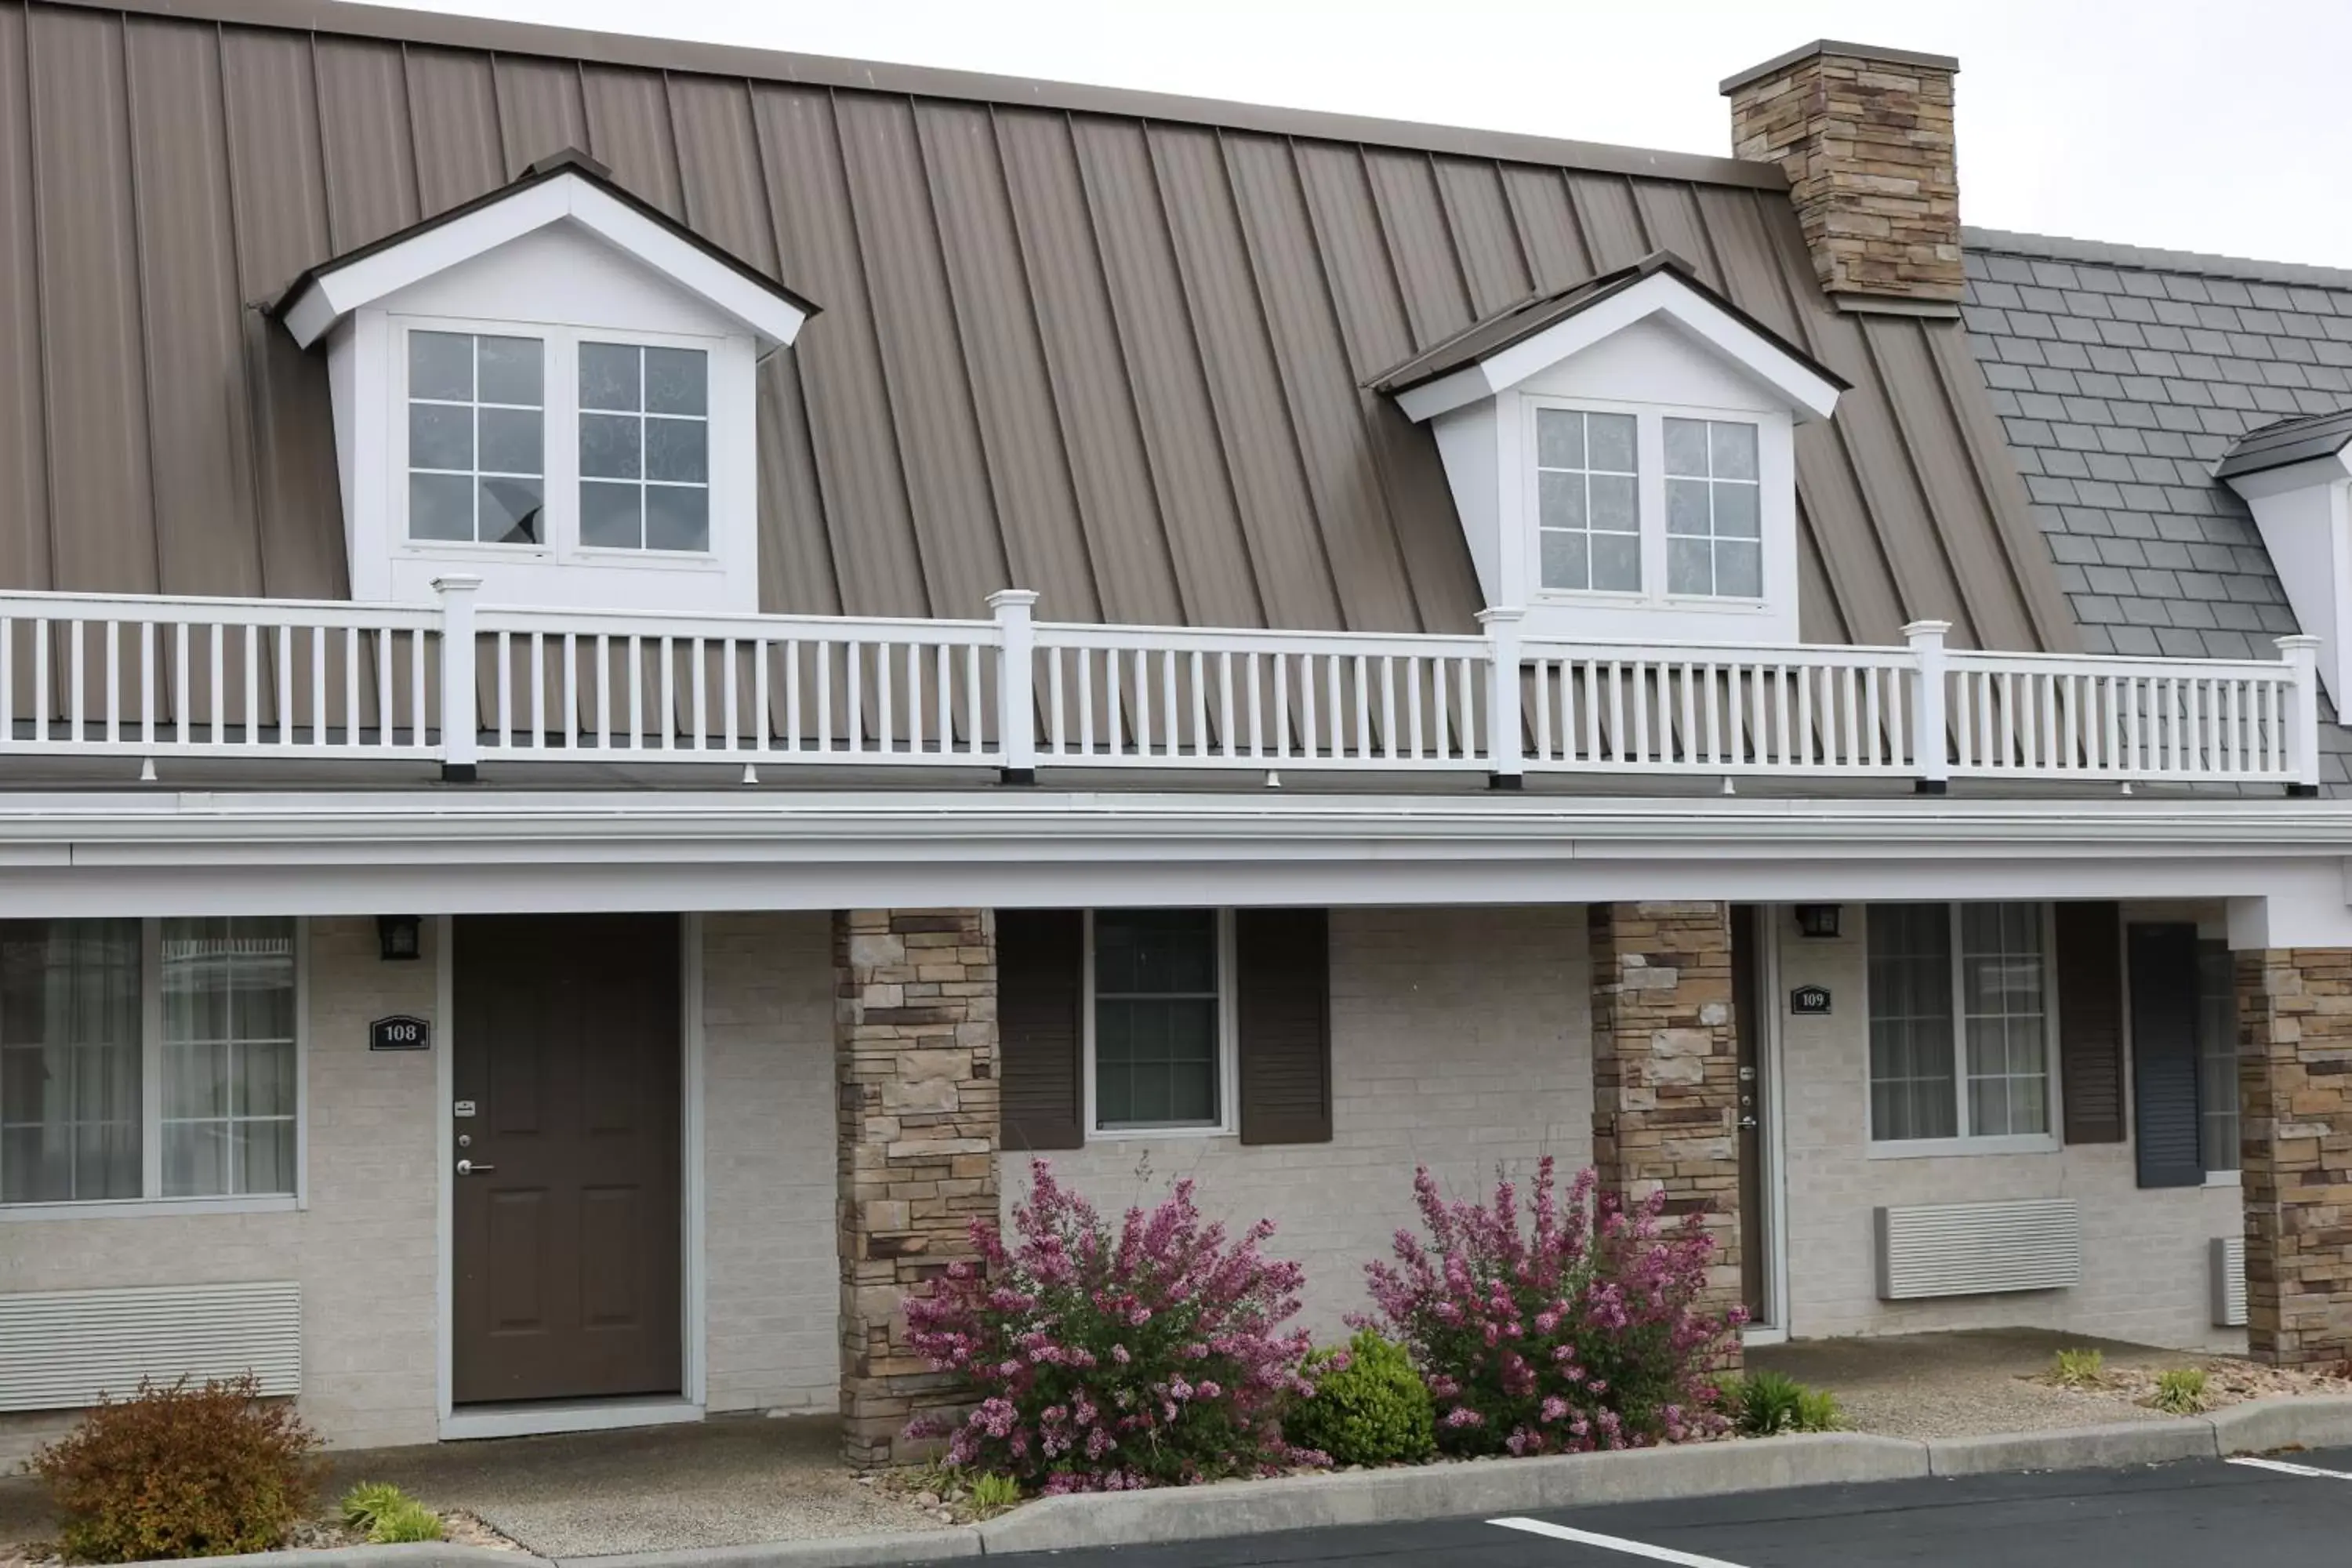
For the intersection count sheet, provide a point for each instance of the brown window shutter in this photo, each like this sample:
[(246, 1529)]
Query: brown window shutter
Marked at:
[(1282, 980), (1040, 995), (2091, 1021)]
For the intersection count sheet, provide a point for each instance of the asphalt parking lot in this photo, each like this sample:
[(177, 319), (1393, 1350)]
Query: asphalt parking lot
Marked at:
[(2292, 1508)]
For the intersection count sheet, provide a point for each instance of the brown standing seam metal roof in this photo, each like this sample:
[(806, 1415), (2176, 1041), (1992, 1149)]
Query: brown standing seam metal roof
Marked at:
[(1109, 345), (1524, 319)]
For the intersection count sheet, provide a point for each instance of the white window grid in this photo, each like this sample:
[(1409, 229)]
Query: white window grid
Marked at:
[(477, 473), (2042, 1030), (1719, 543), (152, 1197), (1582, 476), (643, 416), (233, 1127), (1228, 1054)]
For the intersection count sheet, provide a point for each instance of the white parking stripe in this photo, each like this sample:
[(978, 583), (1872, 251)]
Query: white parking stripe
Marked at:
[(1613, 1543), (2283, 1468)]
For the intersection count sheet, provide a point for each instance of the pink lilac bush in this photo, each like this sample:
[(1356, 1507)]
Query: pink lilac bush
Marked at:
[(1103, 1362), (1583, 1331)]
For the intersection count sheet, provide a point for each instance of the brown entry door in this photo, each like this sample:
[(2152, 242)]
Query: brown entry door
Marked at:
[(567, 1226), (1748, 930)]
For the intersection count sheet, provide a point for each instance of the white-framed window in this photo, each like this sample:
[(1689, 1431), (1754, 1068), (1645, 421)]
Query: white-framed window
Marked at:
[(1962, 1014), (150, 1060), (1640, 502), (1159, 1047), (553, 443)]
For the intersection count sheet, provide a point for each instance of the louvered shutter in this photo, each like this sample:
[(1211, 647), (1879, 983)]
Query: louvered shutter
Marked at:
[(1041, 1028), (2164, 1054), (1283, 981), (2091, 1021)]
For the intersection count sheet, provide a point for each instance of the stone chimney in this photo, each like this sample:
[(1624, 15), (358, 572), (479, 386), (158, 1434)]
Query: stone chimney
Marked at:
[(1866, 137)]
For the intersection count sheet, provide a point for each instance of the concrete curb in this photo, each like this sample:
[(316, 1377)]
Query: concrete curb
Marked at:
[(2260, 1425), (2109, 1448), (1437, 1491), (827, 1552), (408, 1554)]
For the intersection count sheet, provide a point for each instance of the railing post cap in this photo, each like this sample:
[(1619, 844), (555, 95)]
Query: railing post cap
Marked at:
[(2298, 639), (1917, 629), (1506, 613), (457, 583), (1004, 597)]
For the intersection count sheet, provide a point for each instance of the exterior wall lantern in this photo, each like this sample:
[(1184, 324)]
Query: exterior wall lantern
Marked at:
[(397, 938), (1817, 920)]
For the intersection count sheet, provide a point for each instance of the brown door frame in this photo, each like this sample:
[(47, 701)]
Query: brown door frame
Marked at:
[(565, 1416)]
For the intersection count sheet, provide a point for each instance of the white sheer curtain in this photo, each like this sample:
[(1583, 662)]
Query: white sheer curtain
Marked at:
[(70, 1060), (228, 1056)]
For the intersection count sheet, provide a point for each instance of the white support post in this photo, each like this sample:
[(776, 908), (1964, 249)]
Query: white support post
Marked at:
[(1016, 703), (2302, 655), (1928, 739), (458, 723), (1505, 770)]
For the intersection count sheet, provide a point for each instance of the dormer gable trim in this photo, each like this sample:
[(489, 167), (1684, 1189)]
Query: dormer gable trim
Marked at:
[(569, 185), (1499, 353)]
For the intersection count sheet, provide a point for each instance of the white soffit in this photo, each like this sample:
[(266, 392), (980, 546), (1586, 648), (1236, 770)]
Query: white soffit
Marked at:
[(337, 290), (1809, 394)]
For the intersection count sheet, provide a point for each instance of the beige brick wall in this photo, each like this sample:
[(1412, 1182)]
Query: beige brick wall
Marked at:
[(2143, 1265), (363, 1249), (1459, 1040), (767, 986)]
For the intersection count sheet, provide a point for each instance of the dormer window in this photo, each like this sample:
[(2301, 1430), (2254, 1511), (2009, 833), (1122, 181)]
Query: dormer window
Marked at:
[(1622, 459), (553, 388)]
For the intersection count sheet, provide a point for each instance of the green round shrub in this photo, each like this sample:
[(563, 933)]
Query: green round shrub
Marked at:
[(1370, 1406)]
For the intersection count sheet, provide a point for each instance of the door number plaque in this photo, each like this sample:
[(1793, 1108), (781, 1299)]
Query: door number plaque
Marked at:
[(401, 1032), (1810, 1001)]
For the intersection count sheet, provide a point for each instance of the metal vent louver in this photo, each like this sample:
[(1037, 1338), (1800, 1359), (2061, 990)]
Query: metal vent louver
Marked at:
[(60, 1349), (2229, 1276), (1972, 1249)]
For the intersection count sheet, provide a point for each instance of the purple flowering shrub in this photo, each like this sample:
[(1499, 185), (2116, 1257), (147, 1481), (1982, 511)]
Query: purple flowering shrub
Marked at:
[(1583, 1331), (1103, 1361)]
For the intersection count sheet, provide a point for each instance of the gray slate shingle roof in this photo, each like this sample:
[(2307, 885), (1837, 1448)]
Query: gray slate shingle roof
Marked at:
[(2122, 376)]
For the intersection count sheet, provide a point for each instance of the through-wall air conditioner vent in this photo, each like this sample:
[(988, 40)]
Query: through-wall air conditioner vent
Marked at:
[(60, 1349), (2229, 1254), (1974, 1249)]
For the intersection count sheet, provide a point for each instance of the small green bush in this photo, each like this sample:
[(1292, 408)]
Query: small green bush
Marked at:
[(1369, 1407), (180, 1471), (2180, 1391), (388, 1516), (992, 1493), (2078, 1368), (1767, 1403)]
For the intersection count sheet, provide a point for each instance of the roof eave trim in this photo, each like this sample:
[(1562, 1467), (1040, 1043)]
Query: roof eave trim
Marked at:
[(1811, 394), (333, 291), (2297, 474)]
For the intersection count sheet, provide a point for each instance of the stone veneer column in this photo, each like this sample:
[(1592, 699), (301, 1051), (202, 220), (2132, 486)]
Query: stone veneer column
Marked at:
[(915, 1066), (1665, 1066), (2294, 1074)]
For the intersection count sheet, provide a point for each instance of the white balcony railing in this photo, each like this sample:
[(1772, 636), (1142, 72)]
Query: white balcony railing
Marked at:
[(461, 684)]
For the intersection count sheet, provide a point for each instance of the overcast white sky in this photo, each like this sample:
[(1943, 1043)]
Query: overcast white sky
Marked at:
[(2186, 124)]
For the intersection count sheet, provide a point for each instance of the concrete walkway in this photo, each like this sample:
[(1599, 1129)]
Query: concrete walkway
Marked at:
[(1963, 1384), (722, 1483)]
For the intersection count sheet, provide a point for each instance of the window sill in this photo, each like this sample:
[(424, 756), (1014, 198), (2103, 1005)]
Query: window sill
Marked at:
[(1139, 1134), (2223, 1179), (150, 1209), (1940, 1148)]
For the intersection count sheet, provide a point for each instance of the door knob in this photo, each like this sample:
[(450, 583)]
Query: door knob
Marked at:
[(468, 1168), (1746, 1124)]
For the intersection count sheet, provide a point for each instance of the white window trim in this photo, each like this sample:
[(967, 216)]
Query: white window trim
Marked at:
[(1228, 1123), (1650, 504), (150, 1108), (2049, 1142), (559, 461)]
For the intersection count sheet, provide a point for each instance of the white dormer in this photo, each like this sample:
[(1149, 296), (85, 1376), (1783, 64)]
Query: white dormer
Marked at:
[(2295, 476), (551, 387), (1620, 455)]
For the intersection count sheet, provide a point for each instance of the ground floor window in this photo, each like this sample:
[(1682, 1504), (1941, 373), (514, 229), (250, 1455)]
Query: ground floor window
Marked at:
[(147, 1059), (1159, 1053), (1961, 1035)]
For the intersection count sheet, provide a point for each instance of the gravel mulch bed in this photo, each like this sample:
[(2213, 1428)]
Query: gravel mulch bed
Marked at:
[(457, 1526), (2228, 1381)]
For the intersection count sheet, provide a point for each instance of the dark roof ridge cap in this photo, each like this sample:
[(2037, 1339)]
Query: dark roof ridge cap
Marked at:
[(1738, 80), (2102, 253), (454, 31)]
